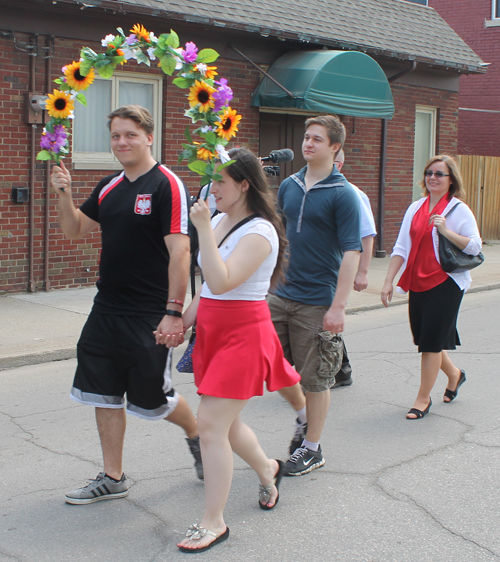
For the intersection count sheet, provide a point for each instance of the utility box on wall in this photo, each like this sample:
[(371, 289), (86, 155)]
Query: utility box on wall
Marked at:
[(20, 194)]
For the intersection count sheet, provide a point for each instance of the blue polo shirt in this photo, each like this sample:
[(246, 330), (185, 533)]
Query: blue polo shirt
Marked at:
[(321, 224)]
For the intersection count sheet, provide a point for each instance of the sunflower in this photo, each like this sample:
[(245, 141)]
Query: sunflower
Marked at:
[(204, 154), (201, 93), (59, 105), (140, 32), (228, 124), (75, 79)]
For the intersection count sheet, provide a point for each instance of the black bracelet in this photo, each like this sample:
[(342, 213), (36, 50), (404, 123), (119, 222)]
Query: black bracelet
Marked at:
[(176, 313)]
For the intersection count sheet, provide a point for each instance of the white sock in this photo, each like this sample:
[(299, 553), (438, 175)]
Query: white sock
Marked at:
[(301, 415), (311, 446)]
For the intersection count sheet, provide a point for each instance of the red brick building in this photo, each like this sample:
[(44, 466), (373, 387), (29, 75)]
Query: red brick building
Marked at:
[(420, 54), (478, 23)]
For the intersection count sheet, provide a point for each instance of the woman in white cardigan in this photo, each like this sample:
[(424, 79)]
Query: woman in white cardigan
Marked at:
[(434, 296)]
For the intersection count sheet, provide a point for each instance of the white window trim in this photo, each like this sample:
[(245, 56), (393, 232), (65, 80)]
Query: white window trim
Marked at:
[(433, 112), (107, 160)]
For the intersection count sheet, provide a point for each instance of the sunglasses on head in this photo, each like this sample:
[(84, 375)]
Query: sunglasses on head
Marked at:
[(430, 173)]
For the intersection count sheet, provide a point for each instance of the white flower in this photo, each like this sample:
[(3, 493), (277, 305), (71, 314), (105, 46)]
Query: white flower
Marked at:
[(72, 116), (107, 40), (202, 68), (129, 53), (150, 52), (222, 153), (206, 129), (152, 38), (178, 60)]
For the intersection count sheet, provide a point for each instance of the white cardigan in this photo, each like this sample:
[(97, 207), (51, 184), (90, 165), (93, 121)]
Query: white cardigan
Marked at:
[(461, 221)]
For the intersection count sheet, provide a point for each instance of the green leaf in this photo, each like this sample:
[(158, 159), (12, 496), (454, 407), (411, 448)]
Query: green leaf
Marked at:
[(182, 82), (64, 87), (167, 64), (85, 67), (50, 126), (187, 135), (198, 166), (207, 55), (217, 177), (81, 98), (173, 39), (142, 58), (117, 60), (88, 53), (228, 163), (205, 180), (159, 52), (44, 155), (58, 81), (102, 62), (120, 31), (66, 123), (210, 137), (106, 71), (185, 155)]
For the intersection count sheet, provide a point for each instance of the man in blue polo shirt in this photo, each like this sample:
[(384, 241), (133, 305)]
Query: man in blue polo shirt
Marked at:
[(322, 217)]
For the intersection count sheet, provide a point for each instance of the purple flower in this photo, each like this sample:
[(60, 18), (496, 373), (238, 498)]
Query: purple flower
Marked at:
[(191, 52), (53, 142), (222, 96), (131, 39)]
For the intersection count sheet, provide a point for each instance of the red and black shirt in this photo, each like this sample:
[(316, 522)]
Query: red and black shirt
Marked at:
[(134, 218)]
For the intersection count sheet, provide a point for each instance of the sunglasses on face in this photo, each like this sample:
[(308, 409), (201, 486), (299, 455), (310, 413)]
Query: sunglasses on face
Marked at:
[(430, 173)]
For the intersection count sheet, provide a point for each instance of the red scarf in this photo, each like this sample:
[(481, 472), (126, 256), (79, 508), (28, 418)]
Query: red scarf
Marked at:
[(423, 271)]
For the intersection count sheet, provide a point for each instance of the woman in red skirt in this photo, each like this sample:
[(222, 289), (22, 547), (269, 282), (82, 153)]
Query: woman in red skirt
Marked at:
[(237, 349)]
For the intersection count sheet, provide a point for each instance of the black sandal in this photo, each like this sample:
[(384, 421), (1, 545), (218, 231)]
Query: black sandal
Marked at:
[(419, 413), (452, 394), (265, 491)]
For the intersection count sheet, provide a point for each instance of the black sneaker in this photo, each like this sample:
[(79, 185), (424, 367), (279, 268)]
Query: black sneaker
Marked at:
[(102, 488), (303, 461), (194, 447), (298, 436)]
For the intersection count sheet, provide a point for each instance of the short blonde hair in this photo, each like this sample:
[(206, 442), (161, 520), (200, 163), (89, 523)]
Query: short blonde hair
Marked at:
[(457, 184)]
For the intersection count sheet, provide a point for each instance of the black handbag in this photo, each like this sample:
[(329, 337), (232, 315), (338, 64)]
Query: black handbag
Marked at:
[(452, 258)]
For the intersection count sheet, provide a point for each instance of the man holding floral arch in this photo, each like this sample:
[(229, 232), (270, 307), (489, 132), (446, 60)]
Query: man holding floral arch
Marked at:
[(136, 321)]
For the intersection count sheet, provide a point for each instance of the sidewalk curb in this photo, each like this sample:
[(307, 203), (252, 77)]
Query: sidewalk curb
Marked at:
[(64, 354)]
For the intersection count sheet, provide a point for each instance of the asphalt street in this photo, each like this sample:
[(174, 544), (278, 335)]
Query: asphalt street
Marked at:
[(392, 490)]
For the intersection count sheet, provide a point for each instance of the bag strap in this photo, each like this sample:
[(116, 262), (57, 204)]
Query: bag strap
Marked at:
[(452, 209), (236, 226)]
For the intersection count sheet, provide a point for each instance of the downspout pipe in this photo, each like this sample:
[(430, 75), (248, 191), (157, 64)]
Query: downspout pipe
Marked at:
[(46, 241), (380, 251), (31, 244)]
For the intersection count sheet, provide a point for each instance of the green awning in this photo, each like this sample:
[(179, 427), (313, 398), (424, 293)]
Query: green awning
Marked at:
[(340, 82)]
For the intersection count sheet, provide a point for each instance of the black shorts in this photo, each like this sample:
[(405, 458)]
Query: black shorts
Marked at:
[(433, 317), (118, 355)]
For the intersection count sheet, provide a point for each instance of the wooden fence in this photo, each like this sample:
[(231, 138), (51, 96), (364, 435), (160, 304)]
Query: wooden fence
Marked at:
[(481, 176)]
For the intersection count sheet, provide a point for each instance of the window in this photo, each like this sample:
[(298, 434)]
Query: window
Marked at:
[(496, 9), (91, 142), (423, 2), (425, 143)]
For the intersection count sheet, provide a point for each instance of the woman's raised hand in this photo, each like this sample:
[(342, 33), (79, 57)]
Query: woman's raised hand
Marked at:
[(200, 214)]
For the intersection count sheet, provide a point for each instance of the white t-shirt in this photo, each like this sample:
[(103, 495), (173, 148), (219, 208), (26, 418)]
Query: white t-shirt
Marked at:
[(255, 288), (368, 227)]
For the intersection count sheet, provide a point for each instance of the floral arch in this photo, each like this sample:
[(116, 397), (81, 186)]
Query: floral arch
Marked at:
[(208, 98)]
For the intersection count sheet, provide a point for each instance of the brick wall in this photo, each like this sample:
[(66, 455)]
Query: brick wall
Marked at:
[(73, 264), (363, 150), (479, 133)]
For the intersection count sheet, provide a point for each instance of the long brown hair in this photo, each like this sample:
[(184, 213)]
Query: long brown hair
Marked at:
[(260, 200), (457, 184)]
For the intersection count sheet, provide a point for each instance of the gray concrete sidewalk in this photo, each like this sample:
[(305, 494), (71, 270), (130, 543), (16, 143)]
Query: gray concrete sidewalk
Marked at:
[(41, 327)]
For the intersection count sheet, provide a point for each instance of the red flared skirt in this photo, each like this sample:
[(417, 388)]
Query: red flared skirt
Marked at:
[(237, 350)]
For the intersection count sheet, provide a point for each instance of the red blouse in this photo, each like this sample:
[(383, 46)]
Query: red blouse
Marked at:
[(423, 271)]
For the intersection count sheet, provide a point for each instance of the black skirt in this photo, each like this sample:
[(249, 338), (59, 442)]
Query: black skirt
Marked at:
[(433, 317)]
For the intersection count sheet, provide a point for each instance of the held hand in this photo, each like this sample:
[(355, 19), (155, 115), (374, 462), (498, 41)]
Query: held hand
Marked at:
[(170, 331), (200, 214), (60, 178), (334, 320), (386, 293), (439, 223)]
